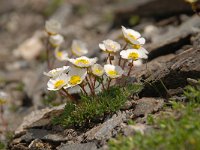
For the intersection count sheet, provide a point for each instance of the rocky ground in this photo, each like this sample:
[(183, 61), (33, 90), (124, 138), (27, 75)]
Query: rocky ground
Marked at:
[(172, 35)]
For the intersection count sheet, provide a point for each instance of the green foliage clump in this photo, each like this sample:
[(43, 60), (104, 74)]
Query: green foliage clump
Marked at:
[(192, 93), (178, 131), (2, 146), (92, 109)]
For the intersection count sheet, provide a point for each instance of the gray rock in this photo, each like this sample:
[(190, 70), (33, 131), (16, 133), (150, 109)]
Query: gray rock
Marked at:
[(39, 118), (174, 38), (147, 105), (152, 9), (104, 131), (38, 144), (174, 74), (41, 134), (131, 129), (85, 146), (147, 69)]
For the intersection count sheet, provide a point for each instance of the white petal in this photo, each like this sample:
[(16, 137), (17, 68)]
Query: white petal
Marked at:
[(124, 31), (124, 54), (134, 33), (143, 50), (79, 48), (141, 41), (133, 41), (56, 40), (137, 63), (52, 26), (102, 46)]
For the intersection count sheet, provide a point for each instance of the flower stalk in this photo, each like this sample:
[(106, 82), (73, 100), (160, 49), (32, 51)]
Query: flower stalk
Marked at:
[(68, 95)]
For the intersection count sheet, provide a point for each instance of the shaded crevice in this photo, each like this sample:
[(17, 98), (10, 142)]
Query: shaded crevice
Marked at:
[(172, 81), (169, 48)]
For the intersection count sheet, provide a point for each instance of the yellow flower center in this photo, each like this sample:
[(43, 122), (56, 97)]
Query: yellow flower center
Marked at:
[(133, 56), (132, 36), (81, 61), (112, 73), (59, 54), (75, 80), (59, 83), (97, 71), (135, 46), (112, 46)]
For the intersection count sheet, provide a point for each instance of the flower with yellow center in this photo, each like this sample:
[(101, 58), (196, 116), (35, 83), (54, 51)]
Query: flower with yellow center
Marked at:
[(97, 70), (56, 72), (57, 83), (61, 55), (83, 61), (75, 77), (132, 36), (133, 54), (56, 40), (110, 46), (52, 27), (140, 45), (79, 48), (113, 71), (3, 98)]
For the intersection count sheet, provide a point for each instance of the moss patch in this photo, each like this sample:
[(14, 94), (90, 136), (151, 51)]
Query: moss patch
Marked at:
[(93, 109)]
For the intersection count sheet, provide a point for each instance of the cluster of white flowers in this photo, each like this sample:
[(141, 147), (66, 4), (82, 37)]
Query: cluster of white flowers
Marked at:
[(84, 71)]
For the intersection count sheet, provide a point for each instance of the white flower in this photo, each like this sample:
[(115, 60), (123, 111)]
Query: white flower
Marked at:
[(75, 77), (133, 54), (52, 27), (113, 71), (83, 61), (110, 46), (56, 40), (132, 36), (56, 72), (79, 48), (3, 97), (97, 70), (58, 82), (61, 55)]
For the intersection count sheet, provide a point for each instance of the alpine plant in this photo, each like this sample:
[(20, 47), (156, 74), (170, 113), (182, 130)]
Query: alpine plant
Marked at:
[(84, 74)]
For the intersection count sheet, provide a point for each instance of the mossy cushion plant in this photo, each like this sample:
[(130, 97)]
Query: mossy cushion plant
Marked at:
[(178, 131), (93, 109)]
